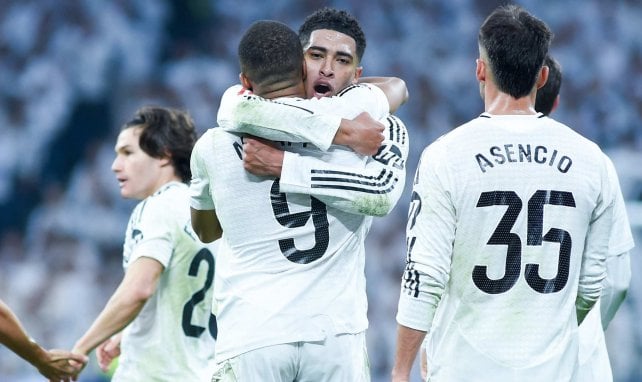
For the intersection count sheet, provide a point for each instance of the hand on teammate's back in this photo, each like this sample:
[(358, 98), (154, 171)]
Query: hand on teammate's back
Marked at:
[(363, 134), (260, 158)]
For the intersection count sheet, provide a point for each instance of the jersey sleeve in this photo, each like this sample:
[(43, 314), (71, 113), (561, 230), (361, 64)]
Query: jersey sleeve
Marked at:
[(593, 268), (429, 236), (156, 227), (621, 237), (618, 265), (296, 119), (199, 188), (372, 189)]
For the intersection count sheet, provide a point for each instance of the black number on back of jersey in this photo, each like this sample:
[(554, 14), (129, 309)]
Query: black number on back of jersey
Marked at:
[(535, 223), (319, 214), (191, 330)]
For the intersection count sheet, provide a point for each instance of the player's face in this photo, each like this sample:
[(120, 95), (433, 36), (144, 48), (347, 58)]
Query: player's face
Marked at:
[(331, 61), (137, 173)]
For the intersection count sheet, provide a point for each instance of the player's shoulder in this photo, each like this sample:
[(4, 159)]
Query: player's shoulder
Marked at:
[(170, 197), (358, 88), (210, 137)]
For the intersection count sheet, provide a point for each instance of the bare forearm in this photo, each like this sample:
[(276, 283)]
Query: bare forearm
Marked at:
[(117, 314), (408, 343), (13, 335)]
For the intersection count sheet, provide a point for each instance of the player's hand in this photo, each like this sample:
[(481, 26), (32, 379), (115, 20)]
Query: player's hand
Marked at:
[(108, 351), (61, 365), (362, 134), (260, 158)]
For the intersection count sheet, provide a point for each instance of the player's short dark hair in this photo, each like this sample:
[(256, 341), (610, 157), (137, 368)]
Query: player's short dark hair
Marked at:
[(336, 20), (547, 94), (270, 52), (516, 44), (166, 133)]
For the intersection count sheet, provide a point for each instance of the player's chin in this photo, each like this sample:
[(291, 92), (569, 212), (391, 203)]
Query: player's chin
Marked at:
[(126, 193)]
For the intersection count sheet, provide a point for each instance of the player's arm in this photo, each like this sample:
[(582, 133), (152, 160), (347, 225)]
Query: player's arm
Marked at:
[(204, 220), (423, 360), (371, 188), (614, 286), (593, 266), (321, 122), (138, 285), (53, 364), (408, 343), (374, 189), (430, 233), (618, 263), (394, 88), (206, 225)]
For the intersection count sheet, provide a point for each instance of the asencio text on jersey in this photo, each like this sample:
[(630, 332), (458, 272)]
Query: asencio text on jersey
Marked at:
[(512, 153)]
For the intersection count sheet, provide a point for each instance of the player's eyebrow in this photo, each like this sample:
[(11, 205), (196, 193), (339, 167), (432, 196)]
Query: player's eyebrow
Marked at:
[(325, 50)]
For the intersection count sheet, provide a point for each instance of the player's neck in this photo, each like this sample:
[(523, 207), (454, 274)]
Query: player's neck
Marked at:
[(283, 90), (504, 104)]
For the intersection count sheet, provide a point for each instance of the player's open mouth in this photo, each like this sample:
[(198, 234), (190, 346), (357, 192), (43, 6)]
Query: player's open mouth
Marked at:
[(322, 90)]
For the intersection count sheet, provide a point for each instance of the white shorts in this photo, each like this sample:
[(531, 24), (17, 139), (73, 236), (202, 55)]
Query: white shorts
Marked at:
[(338, 358)]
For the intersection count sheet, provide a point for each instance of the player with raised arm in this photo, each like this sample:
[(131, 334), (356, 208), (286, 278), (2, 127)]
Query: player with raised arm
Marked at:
[(163, 303), (508, 228), (291, 296)]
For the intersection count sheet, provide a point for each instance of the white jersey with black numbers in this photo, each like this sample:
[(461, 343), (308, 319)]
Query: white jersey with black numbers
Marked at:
[(172, 338), (288, 264), (507, 234)]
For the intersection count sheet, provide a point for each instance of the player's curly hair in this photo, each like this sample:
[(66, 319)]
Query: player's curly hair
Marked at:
[(336, 20), (270, 52), (166, 133)]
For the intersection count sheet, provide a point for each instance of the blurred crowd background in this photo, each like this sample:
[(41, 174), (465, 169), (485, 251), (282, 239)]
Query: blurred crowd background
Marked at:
[(71, 72)]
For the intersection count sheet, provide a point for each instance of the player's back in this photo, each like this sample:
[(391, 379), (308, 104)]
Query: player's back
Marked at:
[(173, 337), (288, 263), (524, 194)]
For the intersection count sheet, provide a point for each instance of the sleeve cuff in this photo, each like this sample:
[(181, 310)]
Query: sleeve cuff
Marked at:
[(323, 130), (295, 174), (414, 313)]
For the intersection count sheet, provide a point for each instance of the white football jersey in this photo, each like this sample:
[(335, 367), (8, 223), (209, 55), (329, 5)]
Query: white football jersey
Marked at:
[(374, 190), (508, 225), (172, 338), (288, 263)]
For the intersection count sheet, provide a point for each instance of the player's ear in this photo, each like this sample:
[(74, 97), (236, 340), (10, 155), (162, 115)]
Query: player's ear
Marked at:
[(166, 160), (304, 71), (357, 74), (245, 81), (480, 71)]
